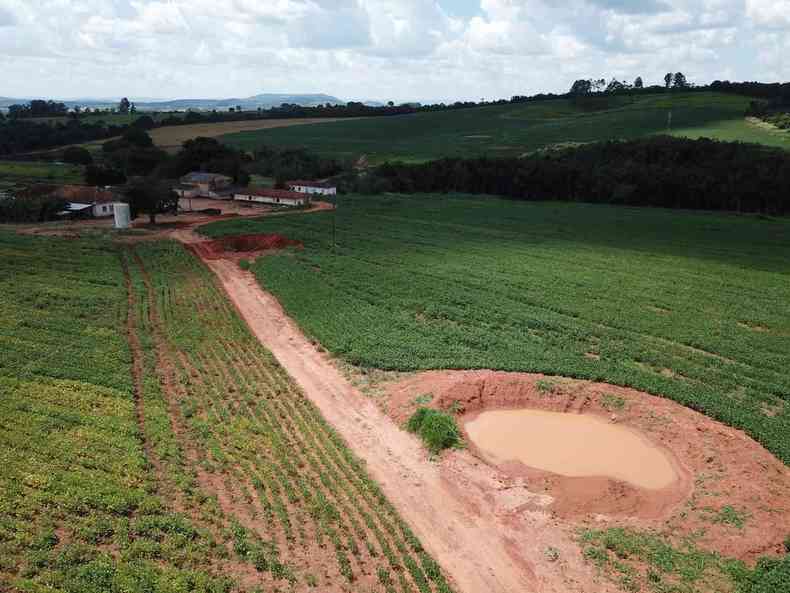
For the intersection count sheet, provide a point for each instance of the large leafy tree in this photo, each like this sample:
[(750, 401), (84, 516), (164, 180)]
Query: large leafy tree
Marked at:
[(150, 196)]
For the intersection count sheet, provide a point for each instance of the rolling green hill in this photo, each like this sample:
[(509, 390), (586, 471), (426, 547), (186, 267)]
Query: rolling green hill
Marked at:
[(515, 129)]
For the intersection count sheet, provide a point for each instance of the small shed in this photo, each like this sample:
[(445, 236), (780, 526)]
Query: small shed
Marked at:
[(303, 186), (204, 185)]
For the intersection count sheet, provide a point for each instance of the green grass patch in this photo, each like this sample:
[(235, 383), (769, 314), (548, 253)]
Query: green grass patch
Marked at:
[(612, 402), (438, 430), (39, 172), (648, 561)]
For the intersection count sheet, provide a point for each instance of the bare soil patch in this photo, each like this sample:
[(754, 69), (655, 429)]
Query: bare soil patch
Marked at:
[(172, 137), (241, 246), (718, 467)]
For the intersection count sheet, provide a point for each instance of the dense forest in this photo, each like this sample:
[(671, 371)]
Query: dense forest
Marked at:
[(659, 171)]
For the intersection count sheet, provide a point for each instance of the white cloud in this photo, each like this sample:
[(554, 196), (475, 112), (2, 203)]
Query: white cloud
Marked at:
[(384, 49), (769, 13)]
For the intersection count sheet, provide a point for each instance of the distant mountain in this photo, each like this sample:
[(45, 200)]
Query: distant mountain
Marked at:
[(263, 101)]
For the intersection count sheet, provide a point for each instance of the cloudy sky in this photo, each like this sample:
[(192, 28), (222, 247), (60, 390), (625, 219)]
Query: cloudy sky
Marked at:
[(379, 49)]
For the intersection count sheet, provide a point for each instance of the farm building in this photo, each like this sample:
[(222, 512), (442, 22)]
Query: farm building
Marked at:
[(81, 201), (278, 197), (321, 188), (205, 185)]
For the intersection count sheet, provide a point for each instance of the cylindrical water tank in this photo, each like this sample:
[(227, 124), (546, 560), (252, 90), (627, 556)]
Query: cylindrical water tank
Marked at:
[(123, 216)]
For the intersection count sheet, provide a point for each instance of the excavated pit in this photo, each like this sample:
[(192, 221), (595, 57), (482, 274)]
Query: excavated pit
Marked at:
[(241, 246), (608, 453), (572, 445)]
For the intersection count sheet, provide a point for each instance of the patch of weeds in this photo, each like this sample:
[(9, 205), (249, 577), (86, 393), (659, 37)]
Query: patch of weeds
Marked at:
[(787, 544), (552, 554), (424, 399), (245, 264), (729, 515), (638, 560), (612, 402), (437, 429), (311, 580), (596, 555), (546, 386)]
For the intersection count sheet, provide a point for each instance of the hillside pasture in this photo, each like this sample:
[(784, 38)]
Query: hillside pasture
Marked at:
[(690, 306), (516, 129), (13, 172)]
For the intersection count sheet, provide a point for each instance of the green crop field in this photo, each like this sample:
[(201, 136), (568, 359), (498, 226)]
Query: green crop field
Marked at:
[(12, 172), (151, 444), (513, 130), (692, 306)]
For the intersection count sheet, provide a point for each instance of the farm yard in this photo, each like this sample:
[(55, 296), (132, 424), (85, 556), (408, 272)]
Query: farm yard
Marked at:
[(513, 130)]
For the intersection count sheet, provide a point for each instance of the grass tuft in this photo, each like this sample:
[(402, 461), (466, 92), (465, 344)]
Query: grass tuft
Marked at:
[(437, 429)]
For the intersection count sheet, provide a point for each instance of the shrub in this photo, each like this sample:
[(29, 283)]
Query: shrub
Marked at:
[(438, 430), (76, 155)]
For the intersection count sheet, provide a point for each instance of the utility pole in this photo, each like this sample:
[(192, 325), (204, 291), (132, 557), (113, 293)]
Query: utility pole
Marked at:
[(334, 227)]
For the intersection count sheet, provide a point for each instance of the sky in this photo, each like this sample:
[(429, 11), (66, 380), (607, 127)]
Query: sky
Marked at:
[(401, 50)]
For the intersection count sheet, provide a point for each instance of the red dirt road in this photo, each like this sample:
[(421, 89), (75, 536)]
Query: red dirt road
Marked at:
[(475, 555), (471, 522)]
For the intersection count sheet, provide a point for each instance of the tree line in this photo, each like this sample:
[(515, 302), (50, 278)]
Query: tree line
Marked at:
[(658, 171)]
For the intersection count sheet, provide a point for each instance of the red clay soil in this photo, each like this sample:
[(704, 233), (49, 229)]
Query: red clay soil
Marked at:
[(717, 466), (240, 246)]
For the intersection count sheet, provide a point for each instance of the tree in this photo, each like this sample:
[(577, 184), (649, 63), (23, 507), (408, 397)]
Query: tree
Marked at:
[(76, 155), (150, 196), (638, 83), (668, 78), (598, 85), (679, 81), (144, 122), (124, 106), (581, 87), (614, 86), (133, 108), (102, 176)]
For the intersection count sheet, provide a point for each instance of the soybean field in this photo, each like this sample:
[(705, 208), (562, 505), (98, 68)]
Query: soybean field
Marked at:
[(150, 443), (517, 129), (691, 306)]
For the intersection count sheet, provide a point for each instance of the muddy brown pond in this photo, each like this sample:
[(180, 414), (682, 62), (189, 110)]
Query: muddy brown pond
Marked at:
[(571, 445)]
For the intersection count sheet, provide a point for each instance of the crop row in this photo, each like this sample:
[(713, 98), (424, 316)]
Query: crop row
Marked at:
[(264, 450)]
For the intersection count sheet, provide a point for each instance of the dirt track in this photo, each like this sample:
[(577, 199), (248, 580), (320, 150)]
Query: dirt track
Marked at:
[(491, 527), (459, 511)]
